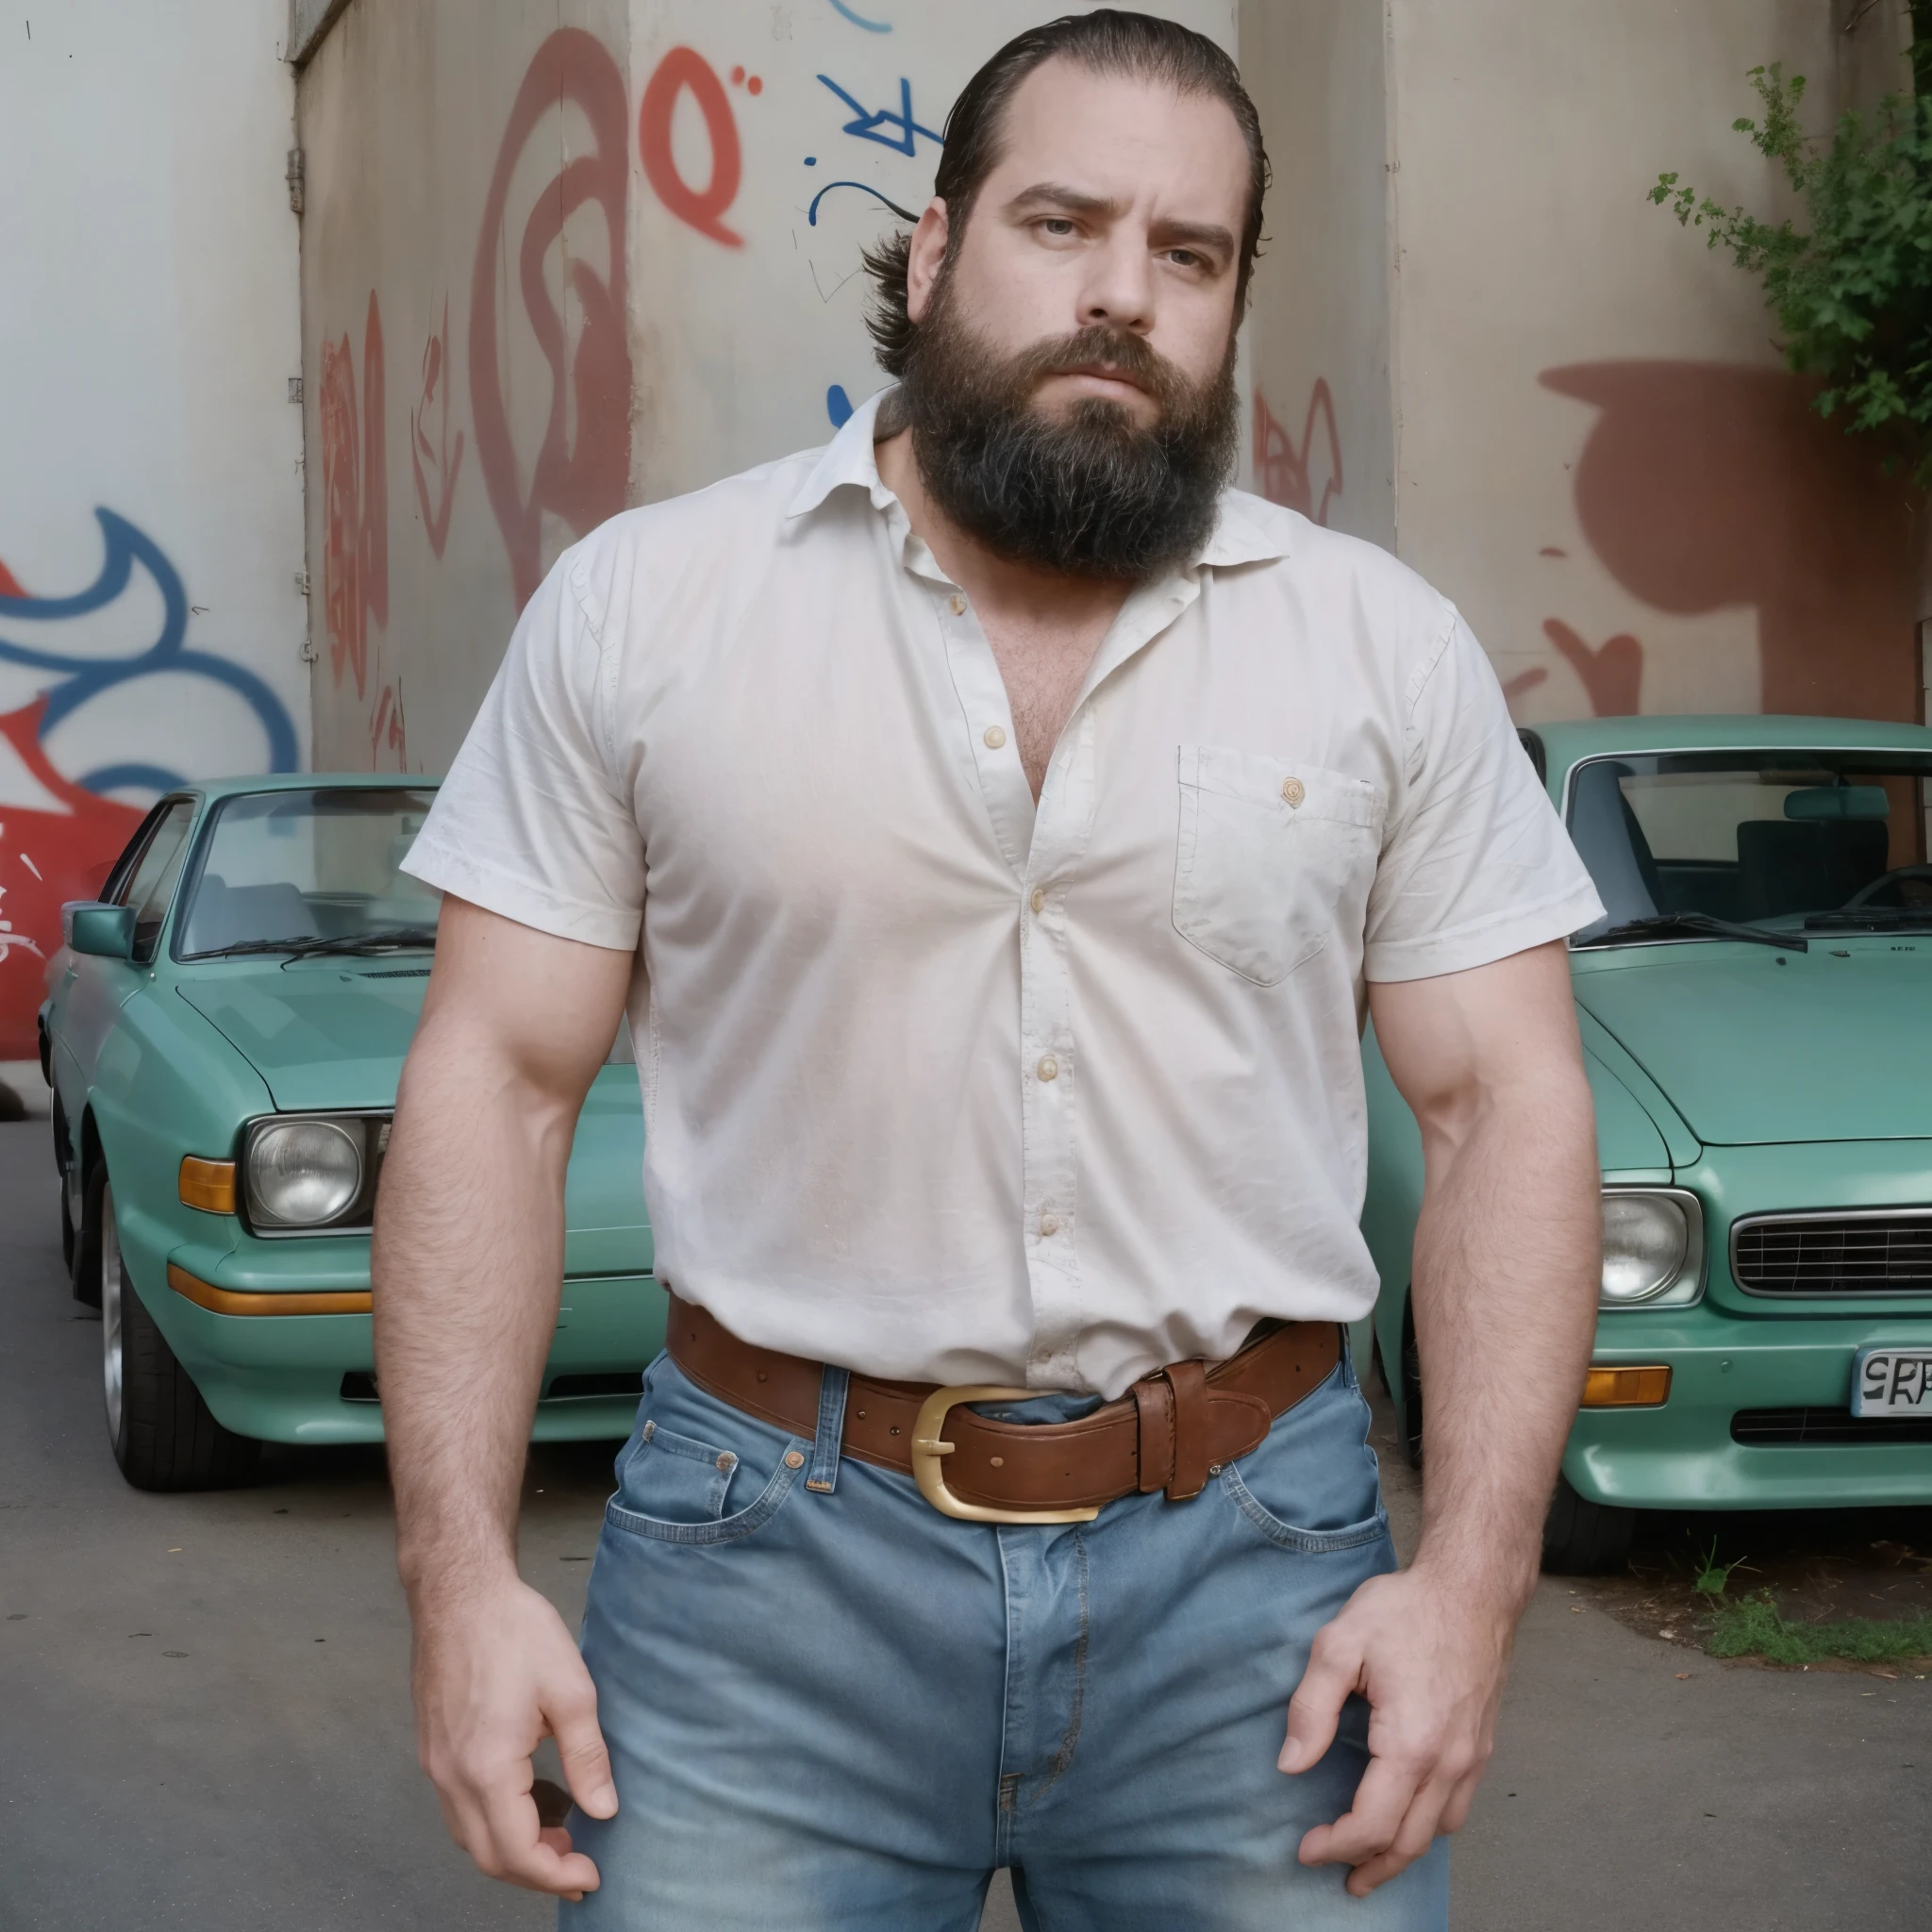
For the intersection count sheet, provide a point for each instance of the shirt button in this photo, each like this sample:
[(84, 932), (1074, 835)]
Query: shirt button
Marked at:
[(1049, 1225), (1293, 791), (1048, 1068), (996, 737), (1038, 898), (959, 606)]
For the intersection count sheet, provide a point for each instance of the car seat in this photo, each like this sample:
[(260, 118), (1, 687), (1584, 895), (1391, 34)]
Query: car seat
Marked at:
[(225, 915)]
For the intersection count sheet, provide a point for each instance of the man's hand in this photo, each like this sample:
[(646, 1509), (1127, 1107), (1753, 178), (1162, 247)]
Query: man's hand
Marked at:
[(492, 1677), (1431, 1663)]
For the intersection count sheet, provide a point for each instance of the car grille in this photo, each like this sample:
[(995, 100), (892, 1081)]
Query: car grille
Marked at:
[(1887, 1252), (1824, 1428)]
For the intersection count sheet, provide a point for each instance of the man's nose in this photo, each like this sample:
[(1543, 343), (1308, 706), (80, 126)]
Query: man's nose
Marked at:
[(1119, 289)]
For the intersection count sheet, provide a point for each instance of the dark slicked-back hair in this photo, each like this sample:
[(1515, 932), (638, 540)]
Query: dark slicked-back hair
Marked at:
[(1105, 42)]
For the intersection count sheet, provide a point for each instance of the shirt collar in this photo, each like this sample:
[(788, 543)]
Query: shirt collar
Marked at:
[(847, 459), (1236, 537)]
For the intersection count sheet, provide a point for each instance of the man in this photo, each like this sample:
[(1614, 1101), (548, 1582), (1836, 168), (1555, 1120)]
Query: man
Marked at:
[(993, 824)]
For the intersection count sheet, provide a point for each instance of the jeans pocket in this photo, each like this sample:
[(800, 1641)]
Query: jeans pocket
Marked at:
[(1313, 1485), (1271, 856), (1292, 1536), (675, 1489)]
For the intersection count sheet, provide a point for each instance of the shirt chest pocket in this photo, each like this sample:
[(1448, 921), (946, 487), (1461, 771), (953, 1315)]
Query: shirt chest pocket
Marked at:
[(1269, 853)]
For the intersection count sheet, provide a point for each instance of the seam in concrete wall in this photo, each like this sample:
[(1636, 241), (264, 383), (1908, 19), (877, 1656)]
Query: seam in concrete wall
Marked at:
[(1392, 230), (309, 24)]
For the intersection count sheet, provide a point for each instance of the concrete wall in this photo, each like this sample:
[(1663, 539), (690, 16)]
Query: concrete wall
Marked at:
[(1549, 397), (151, 543), (560, 258)]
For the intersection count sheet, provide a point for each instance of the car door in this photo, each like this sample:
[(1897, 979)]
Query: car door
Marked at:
[(91, 990)]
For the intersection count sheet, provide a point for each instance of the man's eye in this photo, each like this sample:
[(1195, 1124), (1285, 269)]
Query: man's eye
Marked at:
[(1057, 225), (1185, 257)]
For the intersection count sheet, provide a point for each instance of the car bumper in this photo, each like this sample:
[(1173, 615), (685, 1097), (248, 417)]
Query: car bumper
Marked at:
[(1682, 1454), (281, 1377)]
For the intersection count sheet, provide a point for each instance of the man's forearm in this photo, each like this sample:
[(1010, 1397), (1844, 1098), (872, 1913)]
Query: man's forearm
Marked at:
[(1506, 1259), (467, 1267)]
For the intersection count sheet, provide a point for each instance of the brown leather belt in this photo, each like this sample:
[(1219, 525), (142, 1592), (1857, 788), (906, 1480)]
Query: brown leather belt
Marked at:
[(1171, 1431)]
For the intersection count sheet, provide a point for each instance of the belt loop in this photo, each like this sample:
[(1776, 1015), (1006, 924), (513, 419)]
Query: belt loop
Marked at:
[(1189, 1381), (824, 1478)]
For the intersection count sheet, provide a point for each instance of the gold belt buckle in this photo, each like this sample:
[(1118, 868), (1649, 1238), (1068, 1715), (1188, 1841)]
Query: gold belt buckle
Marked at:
[(927, 1449)]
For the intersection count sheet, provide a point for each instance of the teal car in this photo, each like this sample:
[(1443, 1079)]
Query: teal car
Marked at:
[(1756, 1017), (224, 1035)]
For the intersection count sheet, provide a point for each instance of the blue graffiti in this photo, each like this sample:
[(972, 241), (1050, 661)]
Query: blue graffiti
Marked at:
[(838, 406), (811, 214), (872, 27), (87, 676), (867, 125)]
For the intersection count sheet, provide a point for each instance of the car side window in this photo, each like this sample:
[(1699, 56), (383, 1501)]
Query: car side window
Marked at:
[(150, 885)]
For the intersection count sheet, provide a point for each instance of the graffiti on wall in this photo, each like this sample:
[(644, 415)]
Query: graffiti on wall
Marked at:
[(1706, 486), (83, 655), (354, 500), (435, 460), (1305, 475), (581, 480), (683, 70)]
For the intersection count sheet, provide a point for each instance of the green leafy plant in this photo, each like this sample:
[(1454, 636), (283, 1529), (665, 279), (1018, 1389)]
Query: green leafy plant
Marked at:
[(1753, 1627), (1712, 1576), (1853, 294)]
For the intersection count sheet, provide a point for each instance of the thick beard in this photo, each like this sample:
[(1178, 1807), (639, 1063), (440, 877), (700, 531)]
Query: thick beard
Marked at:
[(1087, 494)]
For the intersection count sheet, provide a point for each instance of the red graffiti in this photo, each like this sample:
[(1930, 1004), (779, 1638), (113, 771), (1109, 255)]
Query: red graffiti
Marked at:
[(355, 497), (1289, 474), (443, 459), (46, 856), (388, 729), (1612, 674), (1705, 485), (682, 68), (585, 484)]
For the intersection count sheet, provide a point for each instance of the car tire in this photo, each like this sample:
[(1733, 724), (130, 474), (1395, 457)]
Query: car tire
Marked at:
[(84, 1257), (163, 1435), (62, 1154), (1584, 1538)]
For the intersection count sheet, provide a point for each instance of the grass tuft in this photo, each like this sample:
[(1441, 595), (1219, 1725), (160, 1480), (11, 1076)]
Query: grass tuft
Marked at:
[(1751, 1625)]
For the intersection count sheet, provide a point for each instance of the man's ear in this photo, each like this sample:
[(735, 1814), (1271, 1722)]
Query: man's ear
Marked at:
[(923, 262)]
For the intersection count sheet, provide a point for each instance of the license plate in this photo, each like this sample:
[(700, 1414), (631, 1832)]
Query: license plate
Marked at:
[(1892, 1381)]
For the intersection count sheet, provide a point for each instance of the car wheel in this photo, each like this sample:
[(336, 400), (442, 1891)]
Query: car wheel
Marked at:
[(1584, 1539), (62, 1154), (163, 1435)]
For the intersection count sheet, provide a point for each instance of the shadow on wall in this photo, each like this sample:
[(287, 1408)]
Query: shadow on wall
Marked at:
[(1705, 485)]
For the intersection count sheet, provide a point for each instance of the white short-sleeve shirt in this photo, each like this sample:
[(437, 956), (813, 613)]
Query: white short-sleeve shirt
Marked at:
[(942, 1085)]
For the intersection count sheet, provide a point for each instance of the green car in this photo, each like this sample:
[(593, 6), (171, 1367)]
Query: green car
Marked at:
[(223, 1035), (1756, 1017)]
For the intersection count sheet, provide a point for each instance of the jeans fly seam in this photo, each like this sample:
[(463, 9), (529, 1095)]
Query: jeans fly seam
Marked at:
[(1063, 1758)]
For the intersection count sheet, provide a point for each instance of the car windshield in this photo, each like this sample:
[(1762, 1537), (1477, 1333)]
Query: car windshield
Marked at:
[(310, 872), (1756, 844)]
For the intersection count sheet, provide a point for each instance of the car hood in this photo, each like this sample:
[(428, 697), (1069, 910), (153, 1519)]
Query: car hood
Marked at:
[(320, 1036), (1829, 1046)]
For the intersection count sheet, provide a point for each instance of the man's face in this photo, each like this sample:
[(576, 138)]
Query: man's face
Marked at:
[(1116, 209)]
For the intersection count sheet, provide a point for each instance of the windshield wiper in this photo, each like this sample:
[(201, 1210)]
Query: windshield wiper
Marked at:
[(1701, 924), (384, 940)]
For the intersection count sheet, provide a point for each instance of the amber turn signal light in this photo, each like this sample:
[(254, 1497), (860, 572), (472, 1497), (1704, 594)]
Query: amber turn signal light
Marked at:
[(1627, 1388), (209, 1185)]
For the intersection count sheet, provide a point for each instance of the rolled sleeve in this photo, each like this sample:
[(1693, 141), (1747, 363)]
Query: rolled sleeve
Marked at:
[(531, 823), (1476, 865)]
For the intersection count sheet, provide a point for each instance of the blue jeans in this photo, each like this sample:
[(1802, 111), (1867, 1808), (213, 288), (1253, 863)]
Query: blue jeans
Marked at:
[(840, 1710)]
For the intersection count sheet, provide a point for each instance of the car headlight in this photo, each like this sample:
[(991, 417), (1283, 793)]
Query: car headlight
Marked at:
[(1652, 1247), (307, 1172)]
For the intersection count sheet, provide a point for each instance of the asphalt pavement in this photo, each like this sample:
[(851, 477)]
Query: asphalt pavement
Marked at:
[(204, 1724)]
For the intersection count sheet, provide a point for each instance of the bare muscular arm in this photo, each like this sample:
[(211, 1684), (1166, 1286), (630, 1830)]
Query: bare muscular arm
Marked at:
[(1508, 1254), (468, 1267)]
